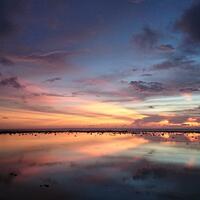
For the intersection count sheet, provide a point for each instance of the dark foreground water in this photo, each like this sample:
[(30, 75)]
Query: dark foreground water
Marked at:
[(92, 166)]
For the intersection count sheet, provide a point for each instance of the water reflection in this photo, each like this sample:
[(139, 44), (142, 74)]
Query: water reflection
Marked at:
[(100, 166)]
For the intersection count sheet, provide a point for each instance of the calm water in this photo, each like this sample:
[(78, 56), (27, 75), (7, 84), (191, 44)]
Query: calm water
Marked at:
[(92, 166)]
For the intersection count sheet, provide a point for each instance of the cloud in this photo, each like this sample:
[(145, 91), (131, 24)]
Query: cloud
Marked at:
[(54, 57), (187, 82), (57, 59), (51, 80), (178, 119), (184, 74), (47, 94), (106, 78), (141, 86), (189, 23), (149, 121), (181, 62), (6, 61), (147, 39), (163, 120), (21, 90), (151, 118), (166, 48), (190, 89), (147, 74), (11, 82), (101, 93), (69, 110), (193, 112), (52, 61)]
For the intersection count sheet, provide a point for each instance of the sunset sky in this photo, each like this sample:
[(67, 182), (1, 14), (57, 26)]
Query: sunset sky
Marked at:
[(99, 63)]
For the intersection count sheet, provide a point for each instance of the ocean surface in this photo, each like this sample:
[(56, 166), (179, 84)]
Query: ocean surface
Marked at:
[(94, 166)]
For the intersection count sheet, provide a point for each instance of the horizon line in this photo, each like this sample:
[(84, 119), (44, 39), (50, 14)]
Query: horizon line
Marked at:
[(91, 129)]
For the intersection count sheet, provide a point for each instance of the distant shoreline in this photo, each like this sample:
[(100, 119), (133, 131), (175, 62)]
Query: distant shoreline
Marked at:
[(99, 130)]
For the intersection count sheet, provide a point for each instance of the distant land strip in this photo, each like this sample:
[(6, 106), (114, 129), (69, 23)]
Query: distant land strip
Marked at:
[(100, 130)]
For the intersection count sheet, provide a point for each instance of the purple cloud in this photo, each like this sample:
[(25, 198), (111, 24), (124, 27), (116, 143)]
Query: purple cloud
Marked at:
[(180, 62), (142, 86), (147, 39), (189, 23), (166, 48), (11, 82), (51, 80)]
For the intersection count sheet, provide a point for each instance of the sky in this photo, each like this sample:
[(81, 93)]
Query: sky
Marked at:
[(99, 63)]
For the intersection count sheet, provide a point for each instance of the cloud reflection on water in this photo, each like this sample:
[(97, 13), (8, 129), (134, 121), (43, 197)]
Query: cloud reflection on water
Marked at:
[(134, 165)]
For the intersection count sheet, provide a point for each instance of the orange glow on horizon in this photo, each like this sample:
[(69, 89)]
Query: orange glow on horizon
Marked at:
[(89, 113)]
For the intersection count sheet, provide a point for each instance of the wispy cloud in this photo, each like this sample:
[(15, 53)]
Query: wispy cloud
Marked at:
[(166, 48), (142, 86), (51, 80), (189, 23), (146, 40), (11, 82)]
